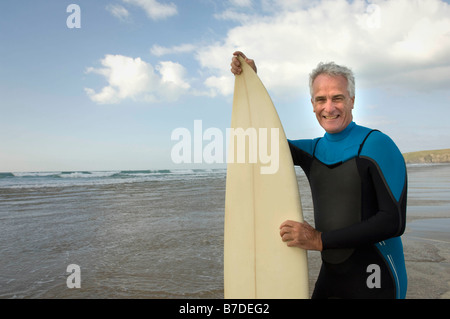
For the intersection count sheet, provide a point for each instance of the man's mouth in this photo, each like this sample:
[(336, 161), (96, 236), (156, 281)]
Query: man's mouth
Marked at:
[(331, 117)]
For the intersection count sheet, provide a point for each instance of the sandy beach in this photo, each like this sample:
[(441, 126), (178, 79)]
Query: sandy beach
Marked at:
[(427, 263), (426, 239), (427, 236)]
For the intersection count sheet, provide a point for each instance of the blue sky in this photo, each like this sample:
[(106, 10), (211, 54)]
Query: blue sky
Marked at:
[(108, 95)]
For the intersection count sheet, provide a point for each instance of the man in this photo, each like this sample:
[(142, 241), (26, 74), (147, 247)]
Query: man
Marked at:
[(358, 185)]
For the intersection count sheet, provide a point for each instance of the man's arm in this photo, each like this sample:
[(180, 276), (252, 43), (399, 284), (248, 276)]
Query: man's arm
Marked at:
[(296, 234)]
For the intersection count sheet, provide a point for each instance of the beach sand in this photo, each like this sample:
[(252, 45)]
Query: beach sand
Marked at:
[(426, 241), (427, 236), (427, 265), (427, 255)]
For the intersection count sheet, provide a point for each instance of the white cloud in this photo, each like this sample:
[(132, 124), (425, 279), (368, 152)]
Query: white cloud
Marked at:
[(133, 78), (387, 43), (158, 50), (118, 11), (241, 3), (154, 9), (173, 74), (222, 85)]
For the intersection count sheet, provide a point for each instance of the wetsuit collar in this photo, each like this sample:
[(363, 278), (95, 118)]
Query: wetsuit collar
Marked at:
[(341, 135)]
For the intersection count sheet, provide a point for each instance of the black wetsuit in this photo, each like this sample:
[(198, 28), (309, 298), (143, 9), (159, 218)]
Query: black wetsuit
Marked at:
[(358, 183)]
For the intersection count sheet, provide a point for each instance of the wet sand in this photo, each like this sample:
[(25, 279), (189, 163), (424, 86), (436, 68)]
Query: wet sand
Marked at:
[(427, 235), (427, 257), (426, 240), (427, 254)]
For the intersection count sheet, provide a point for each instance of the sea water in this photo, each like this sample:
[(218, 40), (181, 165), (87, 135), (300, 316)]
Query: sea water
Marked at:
[(134, 234)]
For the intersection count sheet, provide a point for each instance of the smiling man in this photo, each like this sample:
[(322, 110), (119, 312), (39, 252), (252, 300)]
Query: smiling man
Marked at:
[(332, 102), (359, 187)]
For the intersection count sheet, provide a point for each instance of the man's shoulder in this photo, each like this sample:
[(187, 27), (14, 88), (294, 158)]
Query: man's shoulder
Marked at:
[(381, 150), (378, 142), (306, 145)]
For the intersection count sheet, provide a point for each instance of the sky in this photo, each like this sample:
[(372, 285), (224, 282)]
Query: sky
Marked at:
[(103, 85)]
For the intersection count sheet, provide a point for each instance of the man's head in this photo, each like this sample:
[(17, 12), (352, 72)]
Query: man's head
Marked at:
[(332, 96)]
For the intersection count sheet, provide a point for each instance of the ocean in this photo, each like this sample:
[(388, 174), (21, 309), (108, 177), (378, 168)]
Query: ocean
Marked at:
[(133, 234)]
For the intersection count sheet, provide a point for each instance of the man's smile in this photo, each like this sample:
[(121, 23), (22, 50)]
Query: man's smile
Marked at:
[(331, 117)]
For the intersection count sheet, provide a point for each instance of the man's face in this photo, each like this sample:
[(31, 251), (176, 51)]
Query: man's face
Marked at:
[(332, 103)]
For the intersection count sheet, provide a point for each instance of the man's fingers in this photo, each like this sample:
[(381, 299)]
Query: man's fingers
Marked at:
[(288, 223), (235, 66), (286, 230), (239, 53)]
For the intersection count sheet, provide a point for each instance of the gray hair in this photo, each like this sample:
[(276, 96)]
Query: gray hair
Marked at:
[(332, 69)]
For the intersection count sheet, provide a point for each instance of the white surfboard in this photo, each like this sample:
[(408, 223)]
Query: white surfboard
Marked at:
[(259, 198)]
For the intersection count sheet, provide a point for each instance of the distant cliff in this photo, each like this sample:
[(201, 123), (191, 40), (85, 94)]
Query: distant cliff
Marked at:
[(436, 156)]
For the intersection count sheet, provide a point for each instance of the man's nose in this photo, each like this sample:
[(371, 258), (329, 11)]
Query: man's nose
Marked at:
[(329, 106)]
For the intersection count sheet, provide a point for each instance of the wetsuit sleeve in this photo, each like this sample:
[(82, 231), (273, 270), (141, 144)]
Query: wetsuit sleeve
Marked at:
[(301, 151), (384, 181)]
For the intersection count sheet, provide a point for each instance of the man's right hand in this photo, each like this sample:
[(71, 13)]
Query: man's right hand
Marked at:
[(236, 65)]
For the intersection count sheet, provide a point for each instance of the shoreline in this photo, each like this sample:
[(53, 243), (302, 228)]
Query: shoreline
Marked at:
[(426, 244), (426, 239)]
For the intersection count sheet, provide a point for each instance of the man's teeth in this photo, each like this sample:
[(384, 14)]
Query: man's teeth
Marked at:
[(331, 117)]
